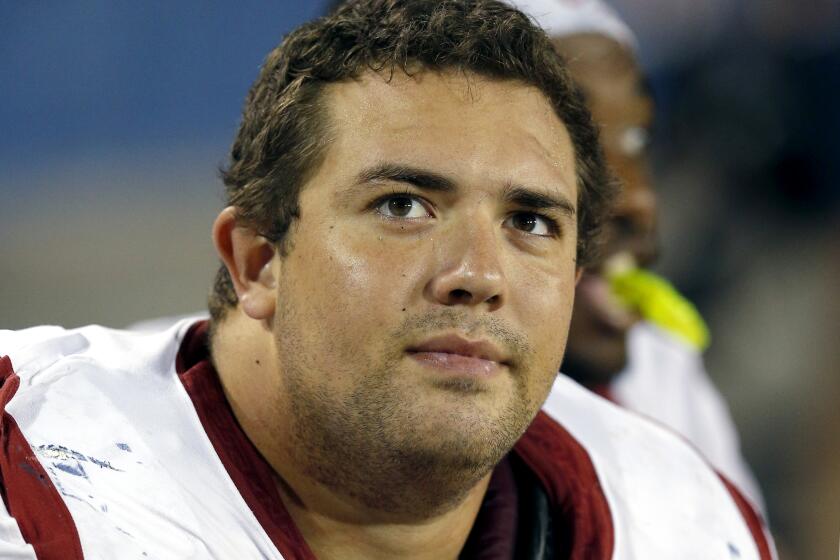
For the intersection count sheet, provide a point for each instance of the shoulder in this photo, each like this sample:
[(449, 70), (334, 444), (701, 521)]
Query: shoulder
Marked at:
[(163, 323), (35, 350), (99, 428), (652, 478)]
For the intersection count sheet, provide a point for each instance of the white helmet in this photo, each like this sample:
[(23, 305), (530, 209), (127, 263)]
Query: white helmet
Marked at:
[(570, 17)]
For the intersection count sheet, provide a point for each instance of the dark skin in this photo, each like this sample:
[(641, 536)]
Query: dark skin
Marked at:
[(611, 81)]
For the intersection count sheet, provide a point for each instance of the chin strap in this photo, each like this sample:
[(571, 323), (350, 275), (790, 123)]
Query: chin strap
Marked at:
[(659, 302)]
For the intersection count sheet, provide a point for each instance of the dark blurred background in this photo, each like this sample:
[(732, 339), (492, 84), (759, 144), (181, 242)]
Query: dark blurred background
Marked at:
[(747, 159), (114, 117)]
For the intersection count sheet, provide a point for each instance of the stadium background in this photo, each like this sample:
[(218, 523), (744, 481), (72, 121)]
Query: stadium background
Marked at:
[(114, 117)]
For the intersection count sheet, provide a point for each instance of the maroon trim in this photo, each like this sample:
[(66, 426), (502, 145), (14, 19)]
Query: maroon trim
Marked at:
[(493, 535), (582, 519), (752, 519), (28, 492), (250, 472)]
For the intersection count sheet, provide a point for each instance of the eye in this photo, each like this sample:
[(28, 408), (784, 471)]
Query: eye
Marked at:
[(532, 223), (402, 206)]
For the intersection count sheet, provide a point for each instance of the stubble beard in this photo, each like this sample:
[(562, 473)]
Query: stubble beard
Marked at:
[(377, 448)]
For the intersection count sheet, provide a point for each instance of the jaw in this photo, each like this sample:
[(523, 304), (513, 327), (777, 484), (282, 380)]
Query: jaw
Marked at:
[(409, 451)]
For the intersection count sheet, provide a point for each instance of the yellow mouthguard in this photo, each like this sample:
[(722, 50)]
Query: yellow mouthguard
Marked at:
[(657, 301)]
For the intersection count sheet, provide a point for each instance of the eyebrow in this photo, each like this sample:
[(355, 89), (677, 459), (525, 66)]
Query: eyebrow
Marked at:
[(529, 198), (420, 178), (518, 195)]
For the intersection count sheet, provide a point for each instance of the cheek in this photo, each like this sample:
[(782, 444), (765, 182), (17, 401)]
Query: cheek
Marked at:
[(327, 281), (544, 306), (351, 279), (542, 291)]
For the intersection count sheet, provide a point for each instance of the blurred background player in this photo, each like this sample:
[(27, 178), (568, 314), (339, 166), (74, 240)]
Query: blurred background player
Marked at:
[(633, 338)]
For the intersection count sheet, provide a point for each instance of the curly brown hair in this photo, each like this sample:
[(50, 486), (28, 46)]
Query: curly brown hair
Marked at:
[(282, 138)]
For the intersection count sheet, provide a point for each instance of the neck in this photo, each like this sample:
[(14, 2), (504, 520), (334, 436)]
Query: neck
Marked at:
[(338, 520), (353, 531)]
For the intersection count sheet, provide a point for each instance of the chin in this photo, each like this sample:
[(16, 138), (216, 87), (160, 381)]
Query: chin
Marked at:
[(471, 434), (457, 453)]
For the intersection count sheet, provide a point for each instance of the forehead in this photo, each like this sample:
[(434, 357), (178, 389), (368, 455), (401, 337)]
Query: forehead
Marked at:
[(471, 127)]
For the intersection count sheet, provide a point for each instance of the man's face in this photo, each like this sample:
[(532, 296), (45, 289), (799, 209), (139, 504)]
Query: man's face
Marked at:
[(610, 78), (423, 306)]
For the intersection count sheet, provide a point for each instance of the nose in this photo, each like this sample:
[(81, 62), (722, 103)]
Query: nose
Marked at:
[(469, 269)]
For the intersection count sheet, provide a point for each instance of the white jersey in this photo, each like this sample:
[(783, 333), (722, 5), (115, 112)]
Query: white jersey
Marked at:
[(107, 417), (666, 380)]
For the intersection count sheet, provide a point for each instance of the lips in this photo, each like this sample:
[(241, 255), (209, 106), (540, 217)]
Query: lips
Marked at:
[(456, 355)]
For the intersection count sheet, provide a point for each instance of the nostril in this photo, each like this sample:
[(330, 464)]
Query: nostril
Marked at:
[(460, 296)]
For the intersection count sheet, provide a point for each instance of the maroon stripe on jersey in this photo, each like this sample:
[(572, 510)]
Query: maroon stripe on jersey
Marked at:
[(752, 518), (250, 472), (29, 494), (583, 522)]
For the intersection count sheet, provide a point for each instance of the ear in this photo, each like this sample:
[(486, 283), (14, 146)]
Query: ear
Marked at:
[(249, 258)]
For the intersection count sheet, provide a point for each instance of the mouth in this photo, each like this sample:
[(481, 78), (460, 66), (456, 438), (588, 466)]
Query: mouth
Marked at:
[(455, 355)]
